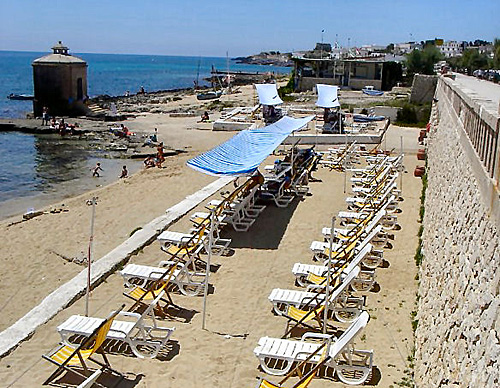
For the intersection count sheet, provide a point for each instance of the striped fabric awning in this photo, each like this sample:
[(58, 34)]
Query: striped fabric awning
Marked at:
[(244, 152)]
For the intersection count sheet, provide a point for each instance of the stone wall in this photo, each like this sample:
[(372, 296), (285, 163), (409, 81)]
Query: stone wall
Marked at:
[(458, 334), (423, 88)]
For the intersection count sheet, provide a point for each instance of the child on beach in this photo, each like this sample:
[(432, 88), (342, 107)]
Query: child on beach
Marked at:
[(124, 172), (205, 118), (159, 155), (96, 170), (149, 162)]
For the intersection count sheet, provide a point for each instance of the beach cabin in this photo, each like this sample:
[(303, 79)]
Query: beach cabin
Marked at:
[(60, 83), (382, 72)]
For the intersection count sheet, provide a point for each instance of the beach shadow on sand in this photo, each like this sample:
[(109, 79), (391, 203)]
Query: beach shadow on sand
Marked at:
[(268, 229), (167, 353), (107, 379)]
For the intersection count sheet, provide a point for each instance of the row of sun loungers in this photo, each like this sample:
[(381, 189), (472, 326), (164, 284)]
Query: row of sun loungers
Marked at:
[(353, 254), (348, 259), (149, 287)]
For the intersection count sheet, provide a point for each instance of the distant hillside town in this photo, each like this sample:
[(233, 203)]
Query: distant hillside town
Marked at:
[(448, 49), (383, 67)]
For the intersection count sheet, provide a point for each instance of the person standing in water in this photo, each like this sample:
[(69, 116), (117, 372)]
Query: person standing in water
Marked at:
[(96, 170), (124, 172)]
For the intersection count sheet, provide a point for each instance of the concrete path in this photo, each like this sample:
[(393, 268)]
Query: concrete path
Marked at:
[(487, 92), (75, 288)]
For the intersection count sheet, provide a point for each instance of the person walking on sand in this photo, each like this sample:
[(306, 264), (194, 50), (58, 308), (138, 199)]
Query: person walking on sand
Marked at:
[(96, 170), (124, 172)]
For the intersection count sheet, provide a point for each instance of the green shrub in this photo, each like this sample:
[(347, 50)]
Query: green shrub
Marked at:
[(407, 115), (419, 256), (288, 88)]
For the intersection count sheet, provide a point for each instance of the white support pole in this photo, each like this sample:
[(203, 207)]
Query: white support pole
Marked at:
[(91, 202), (207, 271), (345, 162), (328, 266), (316, 131), (401, 169), (385, 143)]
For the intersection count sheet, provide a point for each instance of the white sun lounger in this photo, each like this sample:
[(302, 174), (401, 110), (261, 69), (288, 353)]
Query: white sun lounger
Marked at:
[(351, 219), (189, 282), (144, 340), (345, 233), (170, 237), (279, 197), (246, 204), (320, 249), (352, 366), (375, 199), (301, 271), (345, 307), (364, 280)]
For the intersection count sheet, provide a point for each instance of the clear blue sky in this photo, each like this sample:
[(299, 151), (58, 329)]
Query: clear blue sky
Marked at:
[(210, 28)]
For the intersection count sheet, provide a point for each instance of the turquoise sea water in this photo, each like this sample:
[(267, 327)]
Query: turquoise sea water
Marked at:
[(38, 170)]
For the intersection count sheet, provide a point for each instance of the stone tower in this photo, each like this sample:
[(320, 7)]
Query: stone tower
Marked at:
[(60, 83)]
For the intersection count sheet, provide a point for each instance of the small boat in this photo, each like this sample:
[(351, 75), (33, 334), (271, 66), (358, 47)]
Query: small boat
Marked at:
[(371, 91), (209, 95), (13, 96), (360, 118)]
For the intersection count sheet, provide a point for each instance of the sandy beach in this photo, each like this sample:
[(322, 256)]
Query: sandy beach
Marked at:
[(238, 310)]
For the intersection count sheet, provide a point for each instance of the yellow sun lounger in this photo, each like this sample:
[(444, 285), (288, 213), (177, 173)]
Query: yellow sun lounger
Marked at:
[(71, 358)]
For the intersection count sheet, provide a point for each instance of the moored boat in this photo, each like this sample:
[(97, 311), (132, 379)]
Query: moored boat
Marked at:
[(13, 96), (371, 91), (209, 95)]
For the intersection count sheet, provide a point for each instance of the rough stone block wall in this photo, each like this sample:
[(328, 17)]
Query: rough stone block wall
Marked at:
[(423, 88), (458, 334)]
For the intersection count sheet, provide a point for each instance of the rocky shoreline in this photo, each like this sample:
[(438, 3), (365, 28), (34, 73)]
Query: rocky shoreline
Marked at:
[(274, 58)]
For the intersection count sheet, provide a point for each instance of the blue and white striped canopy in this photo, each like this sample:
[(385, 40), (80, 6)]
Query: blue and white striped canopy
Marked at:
[(244, 152)]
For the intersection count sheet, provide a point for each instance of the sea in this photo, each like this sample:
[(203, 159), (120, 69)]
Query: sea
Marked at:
[(36, 170)]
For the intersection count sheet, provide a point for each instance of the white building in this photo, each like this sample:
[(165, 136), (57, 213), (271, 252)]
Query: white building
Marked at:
[(451, 49), (405, 48)]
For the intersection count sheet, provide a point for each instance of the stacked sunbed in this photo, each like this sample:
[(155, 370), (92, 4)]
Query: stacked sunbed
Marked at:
[(333, 290)]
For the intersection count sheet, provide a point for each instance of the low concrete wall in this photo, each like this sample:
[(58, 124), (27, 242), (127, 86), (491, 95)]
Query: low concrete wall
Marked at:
[(386, 111), (359, 83), (458, 334), (309, 83), (310, 139), (222, 125)]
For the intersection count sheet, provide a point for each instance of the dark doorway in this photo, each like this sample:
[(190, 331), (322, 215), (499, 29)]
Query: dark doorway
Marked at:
[(79, 89)]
